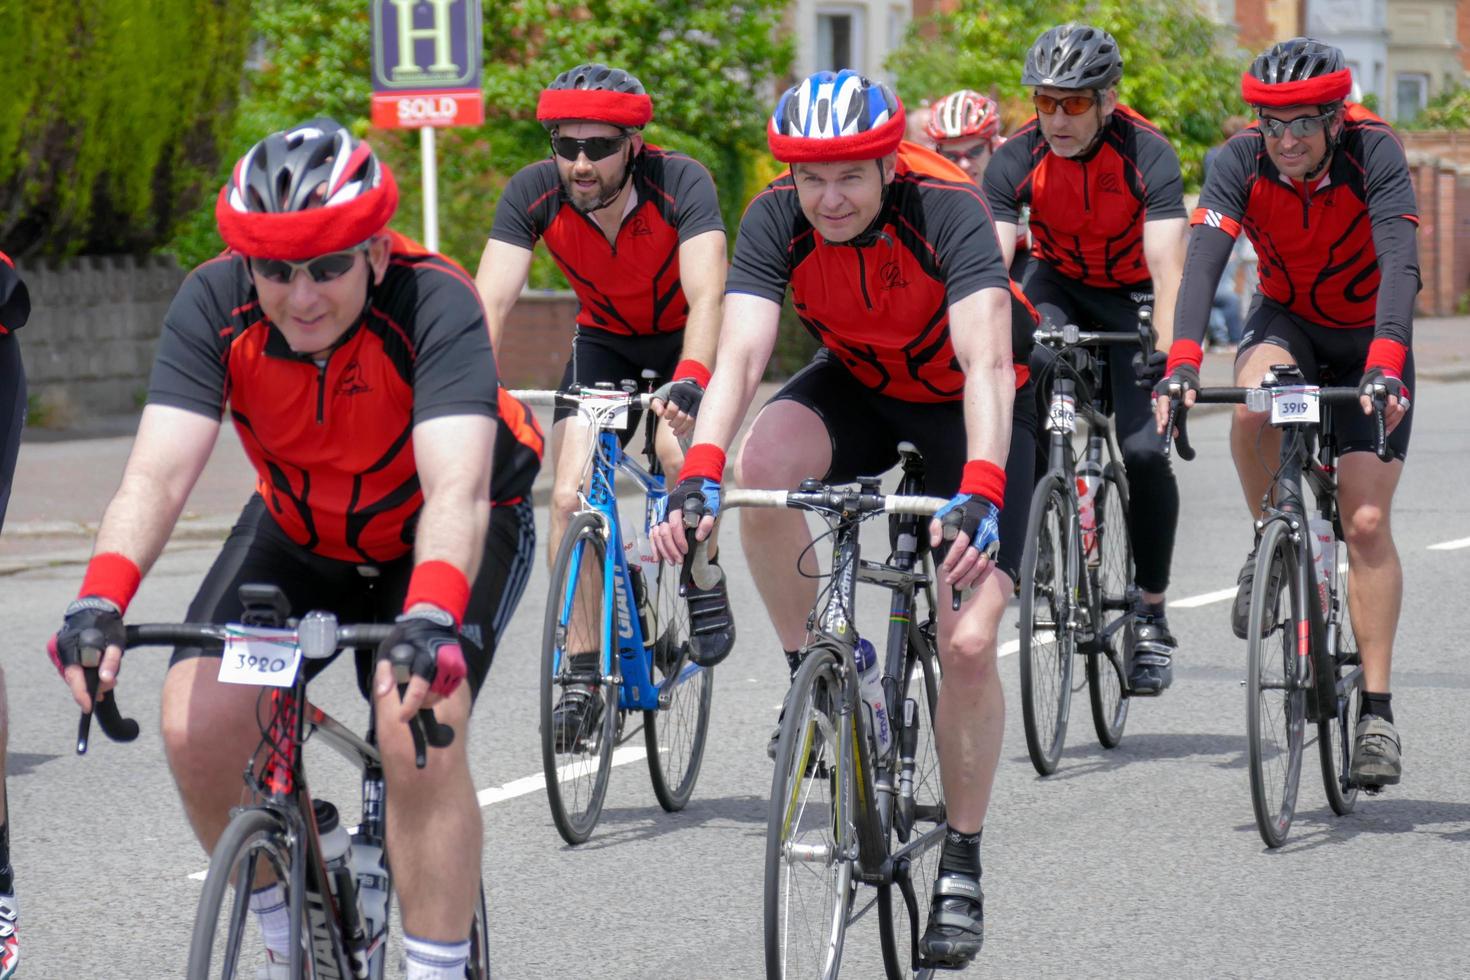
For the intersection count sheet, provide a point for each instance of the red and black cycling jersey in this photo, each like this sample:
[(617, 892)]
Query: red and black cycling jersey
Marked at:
[(1315, 244), (630, 286), (15, 299), (1088, 212), (331, 441), (882, 306)]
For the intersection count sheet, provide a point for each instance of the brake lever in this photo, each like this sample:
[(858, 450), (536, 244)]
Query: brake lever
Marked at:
[(1380, 424), (425, 729), (1177, 429), (109, 716), (693, 513)]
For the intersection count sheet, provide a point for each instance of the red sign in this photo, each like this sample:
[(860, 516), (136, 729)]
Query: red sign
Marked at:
[(427, 57), (437, 107)]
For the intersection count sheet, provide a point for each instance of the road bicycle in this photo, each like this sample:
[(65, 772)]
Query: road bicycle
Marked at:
[(1077, 591), (641, 638), (856, 797), (338, 910), (1303, 665)]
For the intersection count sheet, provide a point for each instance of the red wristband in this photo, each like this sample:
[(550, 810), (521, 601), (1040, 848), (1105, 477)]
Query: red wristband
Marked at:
[(113, 577), (693, 371), (1389, 355), (704, 461), (1184, 352), (439, 584), (983, 478)]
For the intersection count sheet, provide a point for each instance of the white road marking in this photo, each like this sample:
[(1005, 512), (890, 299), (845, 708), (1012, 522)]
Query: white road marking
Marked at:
[(1219, 595), (1007, 648), (1451, 545)]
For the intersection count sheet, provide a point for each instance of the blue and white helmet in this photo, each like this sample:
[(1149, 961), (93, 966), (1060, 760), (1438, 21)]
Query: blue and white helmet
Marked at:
[(835, 116)]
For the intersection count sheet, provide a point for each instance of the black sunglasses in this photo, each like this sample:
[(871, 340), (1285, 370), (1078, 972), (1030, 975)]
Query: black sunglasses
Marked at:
[(974, 153), (1072, 105), (323, 268), (1301, 127), (596, 147)]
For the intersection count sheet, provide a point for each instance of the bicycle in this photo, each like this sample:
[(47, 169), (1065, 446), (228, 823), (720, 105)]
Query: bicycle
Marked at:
[(1077, 591), (1302, 658), (856, 799), (642, 642), (338, 911)]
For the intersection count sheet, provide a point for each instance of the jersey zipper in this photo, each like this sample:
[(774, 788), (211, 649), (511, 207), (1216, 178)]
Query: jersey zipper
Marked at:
[(863, 277), (1086, 196), (321, 389)]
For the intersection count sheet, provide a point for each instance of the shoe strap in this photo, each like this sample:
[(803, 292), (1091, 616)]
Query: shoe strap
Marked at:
[(958, 886)]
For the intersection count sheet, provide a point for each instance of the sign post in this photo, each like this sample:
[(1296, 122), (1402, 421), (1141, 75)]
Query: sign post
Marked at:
[(427, 65)]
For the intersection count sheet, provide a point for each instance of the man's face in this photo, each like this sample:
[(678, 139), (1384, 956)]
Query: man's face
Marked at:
[(1069, 134), (586, 181), (970, 155), (1296, 156), (841, 199), (313, 315)]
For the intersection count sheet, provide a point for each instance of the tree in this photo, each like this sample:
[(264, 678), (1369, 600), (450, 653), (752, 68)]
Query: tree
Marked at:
[(1175, 71)]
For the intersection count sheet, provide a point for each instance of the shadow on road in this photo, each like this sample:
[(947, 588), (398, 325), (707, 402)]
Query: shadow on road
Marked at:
[(1384, 815), (1221, 751), (625, 825)]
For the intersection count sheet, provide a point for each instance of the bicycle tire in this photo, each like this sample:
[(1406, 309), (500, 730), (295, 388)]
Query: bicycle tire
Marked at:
[(1112, 581), (248, 833), (477, 965), (1048, 584), (675, 736), (1335, 735), (578, 767), (927, 820), (809, 830), (1275, 768)]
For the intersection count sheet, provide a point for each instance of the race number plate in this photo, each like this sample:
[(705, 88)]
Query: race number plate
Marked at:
[(1295, 404), (1063, 414), (259, 657)]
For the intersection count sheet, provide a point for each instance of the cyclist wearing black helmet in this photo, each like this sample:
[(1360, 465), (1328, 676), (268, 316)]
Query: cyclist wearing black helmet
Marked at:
[(357, 368), (1322, 188), (638, 233), (1107, 233)]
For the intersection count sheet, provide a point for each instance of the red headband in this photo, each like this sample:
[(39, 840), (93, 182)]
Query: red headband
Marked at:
[(1321, 90), (299, 235), (870, 144), (594, 105)]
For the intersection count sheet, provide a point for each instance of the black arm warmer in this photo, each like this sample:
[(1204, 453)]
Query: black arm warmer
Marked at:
[(1398, 269), (1209, 250)]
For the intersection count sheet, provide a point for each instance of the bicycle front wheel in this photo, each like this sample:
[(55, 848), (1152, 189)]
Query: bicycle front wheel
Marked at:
[(227, 941), (810, 837), (1335, 735), (1048, 586), (675, 735), (477, 966), (1277, 679), (1112, 580), (579, 705)]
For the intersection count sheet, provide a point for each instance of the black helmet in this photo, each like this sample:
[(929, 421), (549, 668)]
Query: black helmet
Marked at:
[(1297, 60), (314, 164), (597, 78), (595, 93), (1073, 56)]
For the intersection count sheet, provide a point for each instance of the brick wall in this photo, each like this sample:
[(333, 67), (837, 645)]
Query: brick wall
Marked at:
[(1443, 191), (537, 340)]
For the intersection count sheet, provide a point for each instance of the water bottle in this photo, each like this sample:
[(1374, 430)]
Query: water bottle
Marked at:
[(870, 681), (1089, 475), (337, 856), (643, 551), (1324, 556)]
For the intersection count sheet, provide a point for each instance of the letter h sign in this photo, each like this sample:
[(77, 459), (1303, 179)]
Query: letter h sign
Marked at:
[(427, 63)]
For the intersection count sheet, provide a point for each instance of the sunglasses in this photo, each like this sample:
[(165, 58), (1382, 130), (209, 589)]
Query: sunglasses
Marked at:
[(1300, 128), (1072, 105), (596, 147), (973, 154), (323, 268)]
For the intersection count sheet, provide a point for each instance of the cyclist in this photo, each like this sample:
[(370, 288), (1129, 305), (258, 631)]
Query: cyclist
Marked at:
[(358, 371), (965, 128), (638, 233), (892, 263), (15, 309), (1321, 187), (1107, 231)]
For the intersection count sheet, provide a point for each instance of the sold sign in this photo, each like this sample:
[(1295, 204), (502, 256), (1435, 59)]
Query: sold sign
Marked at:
[(427, 63)]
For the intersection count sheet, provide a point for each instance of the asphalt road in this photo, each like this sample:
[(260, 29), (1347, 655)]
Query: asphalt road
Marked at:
[(1137, 862)]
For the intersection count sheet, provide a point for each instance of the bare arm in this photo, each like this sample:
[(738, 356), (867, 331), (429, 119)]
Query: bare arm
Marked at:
[(702, 265), (1007, 232), (453, 455), (500, 278), (1163, 249)]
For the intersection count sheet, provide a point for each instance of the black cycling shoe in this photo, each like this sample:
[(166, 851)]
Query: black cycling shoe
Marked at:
[(711, 624), (956, 928), (1240, 613), (1153, 651), (577, 718)]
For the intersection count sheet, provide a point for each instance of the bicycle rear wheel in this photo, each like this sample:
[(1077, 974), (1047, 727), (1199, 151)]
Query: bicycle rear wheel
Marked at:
[(1277, 679), (1048, 586), (577, 757), (1112, 581), (810, 845), (226, 942), (675, 735), (1335, 736), (918, 823)]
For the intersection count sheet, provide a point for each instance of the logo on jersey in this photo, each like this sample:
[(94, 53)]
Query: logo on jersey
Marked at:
[(352, 383), (640, 226), (1109, 183), (891, 275)]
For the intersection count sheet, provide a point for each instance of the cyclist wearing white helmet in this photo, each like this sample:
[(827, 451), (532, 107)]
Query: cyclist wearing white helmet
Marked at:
[(965, 128)]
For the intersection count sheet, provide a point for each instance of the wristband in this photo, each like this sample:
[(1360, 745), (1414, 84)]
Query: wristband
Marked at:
[(439, 584), (1184, 351), (112, 576), (983, 478), (704, 461), (692, 370), (1388, 355)]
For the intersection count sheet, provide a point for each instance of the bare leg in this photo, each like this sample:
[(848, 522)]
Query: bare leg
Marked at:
[(1375, 577), (1254, 444)]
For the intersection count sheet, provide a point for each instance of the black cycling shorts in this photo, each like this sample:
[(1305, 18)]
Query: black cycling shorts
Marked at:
[(1328, 356), (866, 427), (12, 414), (258, 551), (598, 356)]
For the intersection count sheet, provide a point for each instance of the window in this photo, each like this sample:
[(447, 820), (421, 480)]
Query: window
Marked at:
[(1411, 93), (840, 39)]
